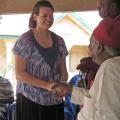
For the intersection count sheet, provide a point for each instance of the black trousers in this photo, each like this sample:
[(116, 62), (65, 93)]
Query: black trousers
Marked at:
[(28, 110)]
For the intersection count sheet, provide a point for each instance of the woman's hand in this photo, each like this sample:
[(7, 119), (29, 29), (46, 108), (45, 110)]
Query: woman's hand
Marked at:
[(61, 90), (50, 87)]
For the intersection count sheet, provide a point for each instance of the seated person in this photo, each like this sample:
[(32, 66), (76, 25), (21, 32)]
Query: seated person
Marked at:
[(87, 73), (71, 109), (101, 102), (6, 96)]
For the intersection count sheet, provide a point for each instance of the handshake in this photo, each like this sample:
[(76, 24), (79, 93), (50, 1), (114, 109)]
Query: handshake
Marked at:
[(60, 90)]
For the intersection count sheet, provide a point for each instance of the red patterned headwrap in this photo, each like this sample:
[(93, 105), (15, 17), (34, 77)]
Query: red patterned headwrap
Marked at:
[(108, 32)]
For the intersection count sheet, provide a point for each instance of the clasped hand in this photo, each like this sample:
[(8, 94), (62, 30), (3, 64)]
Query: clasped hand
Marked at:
[(60, 90)]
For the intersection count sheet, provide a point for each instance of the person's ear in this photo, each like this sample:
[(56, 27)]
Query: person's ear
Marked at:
[(35, 17), (113, 6), (100, 48)]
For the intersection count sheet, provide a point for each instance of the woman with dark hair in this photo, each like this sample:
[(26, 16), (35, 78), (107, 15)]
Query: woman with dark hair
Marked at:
[(39, 63)]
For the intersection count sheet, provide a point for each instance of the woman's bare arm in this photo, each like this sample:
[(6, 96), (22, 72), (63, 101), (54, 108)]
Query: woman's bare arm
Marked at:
[(22, 75)]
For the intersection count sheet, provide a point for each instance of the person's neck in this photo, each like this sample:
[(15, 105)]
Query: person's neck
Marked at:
[(104, 57), (115, 14), (39, 31)]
